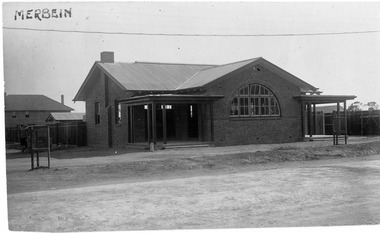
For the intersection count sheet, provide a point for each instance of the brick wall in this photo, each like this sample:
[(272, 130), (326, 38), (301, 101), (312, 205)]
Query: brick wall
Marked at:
[(98, 133), (230, 131)]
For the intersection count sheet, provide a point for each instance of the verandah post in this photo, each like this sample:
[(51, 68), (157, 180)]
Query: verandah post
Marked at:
[(303, 120), (154, 123), (148, 123), (345, 122), (309, 120), (164, 124), (338, 116), (315, 119)]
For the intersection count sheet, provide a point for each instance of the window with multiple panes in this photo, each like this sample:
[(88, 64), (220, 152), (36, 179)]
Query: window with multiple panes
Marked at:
[(117, 113), (254, 100), (97, 113)]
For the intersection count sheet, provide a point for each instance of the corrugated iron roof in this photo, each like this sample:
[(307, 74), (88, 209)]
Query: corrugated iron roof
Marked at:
[(33, 103), (151, 76), (66, 116), (208, 75)]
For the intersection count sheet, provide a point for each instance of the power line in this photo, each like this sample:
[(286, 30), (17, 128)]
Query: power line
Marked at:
[(194, 35)]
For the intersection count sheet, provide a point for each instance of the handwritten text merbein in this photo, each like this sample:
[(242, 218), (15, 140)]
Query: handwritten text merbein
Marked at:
[(42, 14)]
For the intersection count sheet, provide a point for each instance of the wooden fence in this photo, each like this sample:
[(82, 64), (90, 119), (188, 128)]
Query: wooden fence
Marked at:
[(60, 133), (358, 123)]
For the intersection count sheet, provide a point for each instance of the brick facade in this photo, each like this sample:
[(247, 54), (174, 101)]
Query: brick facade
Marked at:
[(234, 131), (214, 121)]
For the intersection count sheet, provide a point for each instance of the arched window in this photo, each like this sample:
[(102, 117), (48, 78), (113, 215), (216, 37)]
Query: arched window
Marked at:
[(254, 100)]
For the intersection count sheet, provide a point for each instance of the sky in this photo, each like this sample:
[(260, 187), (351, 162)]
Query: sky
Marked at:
[(54, 63)]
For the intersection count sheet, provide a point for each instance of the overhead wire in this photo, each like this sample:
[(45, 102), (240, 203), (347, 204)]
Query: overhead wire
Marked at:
[(195, 34)]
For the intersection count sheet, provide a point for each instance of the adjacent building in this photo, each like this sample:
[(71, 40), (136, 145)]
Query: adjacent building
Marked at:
[(30, 109)]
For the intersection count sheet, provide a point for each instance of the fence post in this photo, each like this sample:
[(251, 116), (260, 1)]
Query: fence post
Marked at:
[(31, 147), (48, 135)]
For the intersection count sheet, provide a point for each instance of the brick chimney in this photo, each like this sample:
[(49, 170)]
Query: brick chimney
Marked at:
[(62, 99), (107, 57)]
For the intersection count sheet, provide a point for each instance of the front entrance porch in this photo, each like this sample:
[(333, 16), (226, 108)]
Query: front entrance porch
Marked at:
[(170, 120)]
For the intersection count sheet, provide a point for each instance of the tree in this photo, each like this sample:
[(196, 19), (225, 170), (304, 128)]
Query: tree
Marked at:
[(372, 106), (355, 106)]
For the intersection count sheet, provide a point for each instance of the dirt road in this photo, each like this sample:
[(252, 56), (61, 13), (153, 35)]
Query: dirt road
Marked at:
[(309, 193)]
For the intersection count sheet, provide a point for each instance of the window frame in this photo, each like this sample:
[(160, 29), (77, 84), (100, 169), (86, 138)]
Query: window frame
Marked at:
[(97, 113), (118, 113), (262, 103)]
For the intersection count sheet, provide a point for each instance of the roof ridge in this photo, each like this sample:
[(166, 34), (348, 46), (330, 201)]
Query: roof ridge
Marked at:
[(177, 88), (168, 63)]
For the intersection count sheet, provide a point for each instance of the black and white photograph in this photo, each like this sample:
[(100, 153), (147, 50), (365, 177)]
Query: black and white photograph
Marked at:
[(190, 115)]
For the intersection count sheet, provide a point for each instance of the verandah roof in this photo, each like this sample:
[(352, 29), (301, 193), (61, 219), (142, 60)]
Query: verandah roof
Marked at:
[(170, 98), (324, 99)]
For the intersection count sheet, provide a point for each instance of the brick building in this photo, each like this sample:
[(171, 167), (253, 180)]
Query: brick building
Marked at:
[(30, 109), (245, 102)]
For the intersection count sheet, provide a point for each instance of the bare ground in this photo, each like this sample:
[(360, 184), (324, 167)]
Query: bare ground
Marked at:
[(300, 184)]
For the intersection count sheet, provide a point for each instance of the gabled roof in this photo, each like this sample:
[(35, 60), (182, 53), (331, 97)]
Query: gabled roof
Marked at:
[(65, 116), (151, 76), (143, 76), (33, 103)]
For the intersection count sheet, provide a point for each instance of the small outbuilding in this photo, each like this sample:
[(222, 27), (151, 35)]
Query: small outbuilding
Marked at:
[(245, 102), (66, 117)]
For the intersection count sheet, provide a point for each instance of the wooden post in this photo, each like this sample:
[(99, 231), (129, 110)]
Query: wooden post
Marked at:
[(148, 120), (338, 117), (154, 123), (315, 120), (164, 124), (309, 120), (48, 133), (345, 122), (37, 152), (303, 120), (31, 147)]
